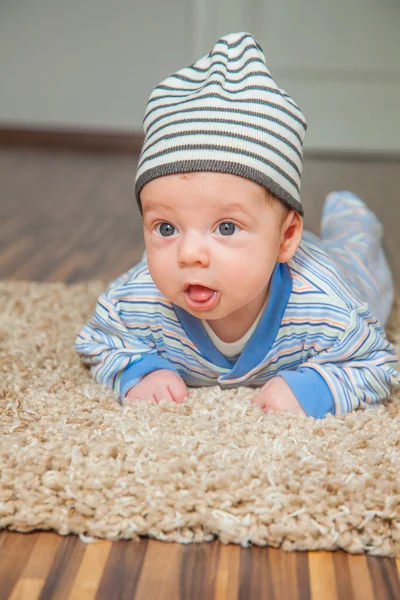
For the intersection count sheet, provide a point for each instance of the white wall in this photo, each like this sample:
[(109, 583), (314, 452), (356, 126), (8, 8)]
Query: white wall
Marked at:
[(339, 59), (93, 63), (87, 62)]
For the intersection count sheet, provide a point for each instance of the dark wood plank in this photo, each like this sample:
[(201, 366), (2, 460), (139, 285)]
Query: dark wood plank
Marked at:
[(272, 573), (63, 570), (385, 578), (255, 574), (302, 574), (122, 570), (288, 574), (15, 551), (199, 570), (82, 139), (344, 583)]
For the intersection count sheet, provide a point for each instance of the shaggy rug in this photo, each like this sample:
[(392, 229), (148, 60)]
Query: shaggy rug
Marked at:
[(72, 459)]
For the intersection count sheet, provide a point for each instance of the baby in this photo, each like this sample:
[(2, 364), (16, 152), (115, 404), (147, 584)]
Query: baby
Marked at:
[(231, 291)]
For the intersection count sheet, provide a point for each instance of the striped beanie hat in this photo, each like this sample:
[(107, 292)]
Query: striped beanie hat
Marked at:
[(225, 114)]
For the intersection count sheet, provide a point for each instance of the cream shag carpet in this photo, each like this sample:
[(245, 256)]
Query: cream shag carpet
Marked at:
[(73, 460)]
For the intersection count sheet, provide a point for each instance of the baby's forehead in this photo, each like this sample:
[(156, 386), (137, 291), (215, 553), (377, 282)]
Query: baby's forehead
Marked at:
[(203, 191), (211, 179), (202, 174)]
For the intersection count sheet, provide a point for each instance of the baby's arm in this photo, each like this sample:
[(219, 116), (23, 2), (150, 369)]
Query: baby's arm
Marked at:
[(116, 358), (357, 371), (156, 386)]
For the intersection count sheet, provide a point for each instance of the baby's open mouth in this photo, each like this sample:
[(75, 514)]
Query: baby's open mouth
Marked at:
[(200, 297), (199, 293)]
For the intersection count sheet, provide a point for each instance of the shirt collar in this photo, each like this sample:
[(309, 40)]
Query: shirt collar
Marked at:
[(263, 337)]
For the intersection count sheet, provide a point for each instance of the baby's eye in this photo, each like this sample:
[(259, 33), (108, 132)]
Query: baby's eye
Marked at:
[(165, 229), (227, 228)]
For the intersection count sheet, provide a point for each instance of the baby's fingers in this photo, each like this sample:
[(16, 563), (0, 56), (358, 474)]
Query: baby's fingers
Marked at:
[(161, 392), (166, 393), (178, 390), (261, 400), (258, 401), (130, 400)]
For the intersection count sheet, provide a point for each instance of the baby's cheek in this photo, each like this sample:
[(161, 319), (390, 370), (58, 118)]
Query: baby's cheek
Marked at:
[(249, 278), (163, 273)]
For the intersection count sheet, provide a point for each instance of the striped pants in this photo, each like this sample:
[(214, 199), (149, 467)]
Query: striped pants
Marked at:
[(352, 236)]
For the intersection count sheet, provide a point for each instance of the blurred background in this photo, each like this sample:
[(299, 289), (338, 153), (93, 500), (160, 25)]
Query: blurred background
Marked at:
[(74, 81)]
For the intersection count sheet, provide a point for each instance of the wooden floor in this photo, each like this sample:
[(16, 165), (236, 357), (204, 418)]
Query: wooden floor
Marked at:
[(69, 217)]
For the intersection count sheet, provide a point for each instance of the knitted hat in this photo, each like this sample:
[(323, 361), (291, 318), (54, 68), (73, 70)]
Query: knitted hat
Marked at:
[(225, 114)]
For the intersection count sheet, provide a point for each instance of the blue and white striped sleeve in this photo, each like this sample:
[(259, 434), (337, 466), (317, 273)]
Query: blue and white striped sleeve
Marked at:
[(116, 358), (357, 371)]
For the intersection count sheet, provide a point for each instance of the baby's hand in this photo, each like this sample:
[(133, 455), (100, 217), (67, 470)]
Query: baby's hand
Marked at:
[(158, 385), (276, 395)]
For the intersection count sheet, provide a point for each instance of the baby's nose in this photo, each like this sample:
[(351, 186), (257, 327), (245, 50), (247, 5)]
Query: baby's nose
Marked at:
[(193, 250)]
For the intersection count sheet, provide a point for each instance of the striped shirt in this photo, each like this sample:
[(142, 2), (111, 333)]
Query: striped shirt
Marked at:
[(315, 332)]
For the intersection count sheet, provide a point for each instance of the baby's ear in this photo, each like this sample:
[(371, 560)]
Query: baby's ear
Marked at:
[(292, 230)]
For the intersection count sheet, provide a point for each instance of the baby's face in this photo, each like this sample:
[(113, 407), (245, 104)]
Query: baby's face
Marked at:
[(212, 242)]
